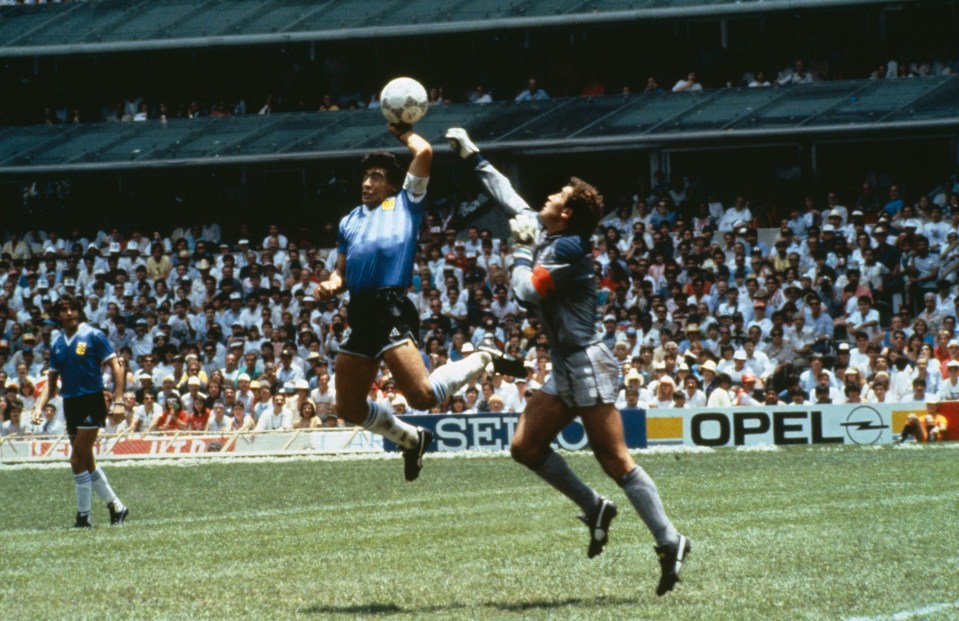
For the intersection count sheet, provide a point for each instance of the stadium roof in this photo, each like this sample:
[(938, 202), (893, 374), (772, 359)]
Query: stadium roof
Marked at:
[(124, 25), (821, 111)]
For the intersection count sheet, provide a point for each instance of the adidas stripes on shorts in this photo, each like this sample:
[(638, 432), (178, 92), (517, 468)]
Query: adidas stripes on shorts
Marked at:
[(85, 412), (379, 320)]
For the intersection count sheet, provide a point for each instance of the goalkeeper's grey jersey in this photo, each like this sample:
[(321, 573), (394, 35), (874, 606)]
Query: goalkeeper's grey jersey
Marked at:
[(561, 287)]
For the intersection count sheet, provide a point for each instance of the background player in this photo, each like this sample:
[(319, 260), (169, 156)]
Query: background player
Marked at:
[(77, 357), (376, 247), (556, 280)]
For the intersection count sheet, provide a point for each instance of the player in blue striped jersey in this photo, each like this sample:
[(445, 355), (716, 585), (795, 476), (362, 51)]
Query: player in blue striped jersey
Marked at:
[(77, 357), (376, 247)]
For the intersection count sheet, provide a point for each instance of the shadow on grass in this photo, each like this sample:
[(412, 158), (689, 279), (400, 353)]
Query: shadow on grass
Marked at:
[(376, 608)]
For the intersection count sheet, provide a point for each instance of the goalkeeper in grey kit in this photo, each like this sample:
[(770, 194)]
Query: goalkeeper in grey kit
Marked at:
[(555, 279)]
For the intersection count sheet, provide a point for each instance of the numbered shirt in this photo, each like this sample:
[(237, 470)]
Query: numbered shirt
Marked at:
[(79, 360)]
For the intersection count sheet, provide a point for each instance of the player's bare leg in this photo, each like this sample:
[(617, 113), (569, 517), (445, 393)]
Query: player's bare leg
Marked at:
[(423, 391), (354, 375), (604, 427), (545, 416)]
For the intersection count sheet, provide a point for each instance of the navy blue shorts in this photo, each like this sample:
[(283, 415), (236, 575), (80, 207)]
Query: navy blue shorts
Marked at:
[(380, 320), (85, 412)]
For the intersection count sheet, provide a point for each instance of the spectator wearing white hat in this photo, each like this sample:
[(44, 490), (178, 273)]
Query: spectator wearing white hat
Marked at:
[(833, 205), (633, 381), (709, 372), (244, 394), (949, 388), (663, 397), (192, 394)]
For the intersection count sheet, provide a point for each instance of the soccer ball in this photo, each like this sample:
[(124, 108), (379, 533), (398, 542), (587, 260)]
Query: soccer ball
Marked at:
[(403, 100)]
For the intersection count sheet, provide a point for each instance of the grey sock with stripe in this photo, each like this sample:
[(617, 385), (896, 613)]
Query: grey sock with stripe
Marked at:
[(555, 471), (643, 495)]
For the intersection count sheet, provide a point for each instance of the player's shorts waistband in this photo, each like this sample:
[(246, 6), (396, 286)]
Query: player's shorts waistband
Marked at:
[(381, 292)]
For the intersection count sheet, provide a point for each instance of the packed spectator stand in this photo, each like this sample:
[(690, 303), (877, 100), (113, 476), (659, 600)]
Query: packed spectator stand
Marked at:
[(852, 300), (704, 300)]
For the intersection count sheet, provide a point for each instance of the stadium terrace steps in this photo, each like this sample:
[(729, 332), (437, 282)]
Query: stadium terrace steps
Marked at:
[(821, 109)]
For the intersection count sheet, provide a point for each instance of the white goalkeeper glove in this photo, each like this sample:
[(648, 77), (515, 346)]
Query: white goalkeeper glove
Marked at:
[(524, 228)]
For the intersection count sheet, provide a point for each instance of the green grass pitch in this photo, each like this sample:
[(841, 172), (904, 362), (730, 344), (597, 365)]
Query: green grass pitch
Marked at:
[(804, 533)]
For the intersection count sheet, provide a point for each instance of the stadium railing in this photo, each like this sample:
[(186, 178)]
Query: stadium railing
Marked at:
[(870, 109)]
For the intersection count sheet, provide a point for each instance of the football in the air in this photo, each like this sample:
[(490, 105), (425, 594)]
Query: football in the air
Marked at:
[(403, 100)]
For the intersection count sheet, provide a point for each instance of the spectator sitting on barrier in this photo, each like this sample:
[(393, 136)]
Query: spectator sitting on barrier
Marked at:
[(937, 424), (457, 405), (307, 418), (663, 398), (746, 394), (496, 404), (276, 417), (173, 418), (239, 419), (949, 387), (218, 422), (820, 395), (145, 413), (12, 426), (771, 397), (720, 395), (199, 414), (853, 393)]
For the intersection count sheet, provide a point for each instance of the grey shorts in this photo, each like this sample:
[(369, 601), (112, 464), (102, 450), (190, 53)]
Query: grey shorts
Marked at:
[(584, 378)]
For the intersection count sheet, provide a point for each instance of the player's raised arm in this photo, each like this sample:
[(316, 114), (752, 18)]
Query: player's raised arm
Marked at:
[(494, 182), (422, 152)]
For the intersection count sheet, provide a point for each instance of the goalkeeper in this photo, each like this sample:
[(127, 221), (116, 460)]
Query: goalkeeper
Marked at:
[(553, 276)]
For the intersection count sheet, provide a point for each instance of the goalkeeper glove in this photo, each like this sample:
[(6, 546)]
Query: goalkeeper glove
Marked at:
[(524, 228)]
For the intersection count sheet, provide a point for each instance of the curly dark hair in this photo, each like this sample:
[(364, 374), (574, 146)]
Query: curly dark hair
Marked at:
[(388, 162), (587, 205), (68, 301)]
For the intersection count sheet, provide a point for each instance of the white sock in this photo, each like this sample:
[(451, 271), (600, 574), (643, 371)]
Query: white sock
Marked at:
[(452, 376), (382, 422), (84, 492), (101, 486)]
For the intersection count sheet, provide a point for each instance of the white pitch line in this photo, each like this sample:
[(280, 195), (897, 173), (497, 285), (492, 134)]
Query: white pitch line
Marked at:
[(905, 615)]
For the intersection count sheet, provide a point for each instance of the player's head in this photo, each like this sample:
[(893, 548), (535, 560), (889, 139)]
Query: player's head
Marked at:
[(382, 176), (575, 209), (68, 309)]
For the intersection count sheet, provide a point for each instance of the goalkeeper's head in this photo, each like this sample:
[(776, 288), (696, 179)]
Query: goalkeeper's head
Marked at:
[(585, 204)]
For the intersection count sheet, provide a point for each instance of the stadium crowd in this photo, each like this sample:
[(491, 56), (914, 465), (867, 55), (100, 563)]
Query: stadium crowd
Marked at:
[(138, 109), (849, 303)]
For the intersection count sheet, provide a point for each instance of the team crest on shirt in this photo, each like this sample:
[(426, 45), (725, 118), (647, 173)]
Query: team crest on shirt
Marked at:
[(389, 204), (81, 348)]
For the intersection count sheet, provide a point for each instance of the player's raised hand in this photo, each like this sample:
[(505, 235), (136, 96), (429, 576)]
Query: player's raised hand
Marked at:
[(398, 129), (524, 228)]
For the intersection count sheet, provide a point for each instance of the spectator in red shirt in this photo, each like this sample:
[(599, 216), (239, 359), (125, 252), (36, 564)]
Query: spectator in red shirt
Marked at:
[(200, 415), (173, 417)]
